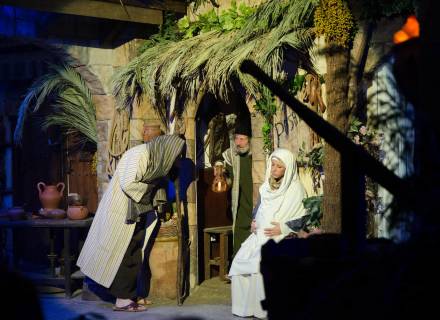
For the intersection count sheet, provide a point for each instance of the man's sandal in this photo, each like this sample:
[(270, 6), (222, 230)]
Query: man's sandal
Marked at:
[(132, 307)]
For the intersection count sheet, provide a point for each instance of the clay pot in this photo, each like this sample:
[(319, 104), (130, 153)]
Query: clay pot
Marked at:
[(151, 131), (50, 196), (16, 213), (74, 199), (77, 212)]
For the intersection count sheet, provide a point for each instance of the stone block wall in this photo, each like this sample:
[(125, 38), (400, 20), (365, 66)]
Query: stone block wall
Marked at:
[(100, 65), (258, 155)]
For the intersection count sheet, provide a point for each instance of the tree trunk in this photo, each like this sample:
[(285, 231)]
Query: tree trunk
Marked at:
[(337, 84)]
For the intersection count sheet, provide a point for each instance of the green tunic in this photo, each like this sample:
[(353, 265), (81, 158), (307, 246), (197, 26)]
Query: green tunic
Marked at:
[(243, 219)]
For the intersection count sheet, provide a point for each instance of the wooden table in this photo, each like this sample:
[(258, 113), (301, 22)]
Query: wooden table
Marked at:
[(66, 225)]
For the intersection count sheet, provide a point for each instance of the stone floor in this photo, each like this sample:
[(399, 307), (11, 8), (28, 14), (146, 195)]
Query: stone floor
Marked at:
[(211, 301)]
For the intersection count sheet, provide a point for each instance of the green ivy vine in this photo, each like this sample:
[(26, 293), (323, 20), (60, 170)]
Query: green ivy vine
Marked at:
[(267, 107), (296, 83), (228, 20), (313, 206), (173, 29)]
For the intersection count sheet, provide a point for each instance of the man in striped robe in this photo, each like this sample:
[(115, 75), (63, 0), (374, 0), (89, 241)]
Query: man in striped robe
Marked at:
[(113, 253)]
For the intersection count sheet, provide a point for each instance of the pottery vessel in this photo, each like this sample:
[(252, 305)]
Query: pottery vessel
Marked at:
[(50, 195), (77, 212), (74, 199)]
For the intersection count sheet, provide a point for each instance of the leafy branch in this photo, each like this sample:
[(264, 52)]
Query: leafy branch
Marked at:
[(313, 161), (267, 107), (228, 20), (313, 206)]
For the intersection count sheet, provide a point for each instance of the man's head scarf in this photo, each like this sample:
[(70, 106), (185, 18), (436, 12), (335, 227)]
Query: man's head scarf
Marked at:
[(162, 151)]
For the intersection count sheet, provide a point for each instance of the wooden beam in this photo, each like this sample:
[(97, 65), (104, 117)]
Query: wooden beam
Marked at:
[(165, 5), (92, 8)]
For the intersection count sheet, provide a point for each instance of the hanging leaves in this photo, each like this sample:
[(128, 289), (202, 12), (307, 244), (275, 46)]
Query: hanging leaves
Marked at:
[(267, 107), (313, 205), (228, 20)]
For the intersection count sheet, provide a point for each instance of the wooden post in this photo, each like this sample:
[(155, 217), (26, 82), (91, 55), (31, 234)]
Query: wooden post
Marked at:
[(180, 256), (223, 257), (207, 254)]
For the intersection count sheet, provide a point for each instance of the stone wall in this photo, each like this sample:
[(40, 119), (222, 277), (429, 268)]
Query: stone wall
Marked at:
[(102, 64)]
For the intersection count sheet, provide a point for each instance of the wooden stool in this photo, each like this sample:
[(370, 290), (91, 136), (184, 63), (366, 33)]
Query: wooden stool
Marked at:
[(222, 260)]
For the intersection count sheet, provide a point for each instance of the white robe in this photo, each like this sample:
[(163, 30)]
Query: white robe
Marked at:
[(246, 280), (281, 205)]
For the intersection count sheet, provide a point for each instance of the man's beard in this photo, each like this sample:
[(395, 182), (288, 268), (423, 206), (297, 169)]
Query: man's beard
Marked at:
[(242, 150)]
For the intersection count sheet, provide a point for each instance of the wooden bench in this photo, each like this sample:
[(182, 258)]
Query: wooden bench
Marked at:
[(222, 260)]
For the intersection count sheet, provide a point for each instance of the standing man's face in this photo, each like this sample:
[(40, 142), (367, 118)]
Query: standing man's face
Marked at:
[(241, 140)]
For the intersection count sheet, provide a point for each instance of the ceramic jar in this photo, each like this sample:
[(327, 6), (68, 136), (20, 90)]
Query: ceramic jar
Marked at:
[(50, 195), (74, 199), (77, 212)]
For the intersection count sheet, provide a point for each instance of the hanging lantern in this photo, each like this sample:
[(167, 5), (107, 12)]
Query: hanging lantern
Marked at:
[(219, 183)]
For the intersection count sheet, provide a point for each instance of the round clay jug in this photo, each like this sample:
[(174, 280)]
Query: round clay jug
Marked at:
[(151, 131), (50, 196), (77, 212)]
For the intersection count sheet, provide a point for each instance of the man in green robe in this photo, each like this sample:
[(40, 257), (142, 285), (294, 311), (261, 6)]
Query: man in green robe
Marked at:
[(238, 165)]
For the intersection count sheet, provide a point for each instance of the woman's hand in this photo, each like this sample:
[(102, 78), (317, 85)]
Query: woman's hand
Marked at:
[(254, 226), (273, 232)]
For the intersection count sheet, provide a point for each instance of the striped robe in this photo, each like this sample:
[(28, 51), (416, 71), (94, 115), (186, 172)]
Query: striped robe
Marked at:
[(110, 234)]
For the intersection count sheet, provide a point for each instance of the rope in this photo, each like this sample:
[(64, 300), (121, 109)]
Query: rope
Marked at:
[(119, 139)]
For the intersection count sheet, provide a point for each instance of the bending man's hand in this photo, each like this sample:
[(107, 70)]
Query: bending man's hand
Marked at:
[(272, 232)]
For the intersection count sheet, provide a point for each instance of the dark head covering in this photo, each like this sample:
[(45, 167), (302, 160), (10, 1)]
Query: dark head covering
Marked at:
[(243, 125), (163, 151)]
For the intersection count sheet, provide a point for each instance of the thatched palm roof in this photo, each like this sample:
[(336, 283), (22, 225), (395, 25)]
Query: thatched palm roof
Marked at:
[(208, 62)]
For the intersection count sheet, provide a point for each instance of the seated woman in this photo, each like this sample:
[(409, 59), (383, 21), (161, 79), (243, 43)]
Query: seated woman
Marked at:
[(280, 212)]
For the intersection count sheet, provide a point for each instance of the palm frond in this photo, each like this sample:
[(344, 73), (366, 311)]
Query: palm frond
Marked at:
[(69, 98), (208, 62)]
